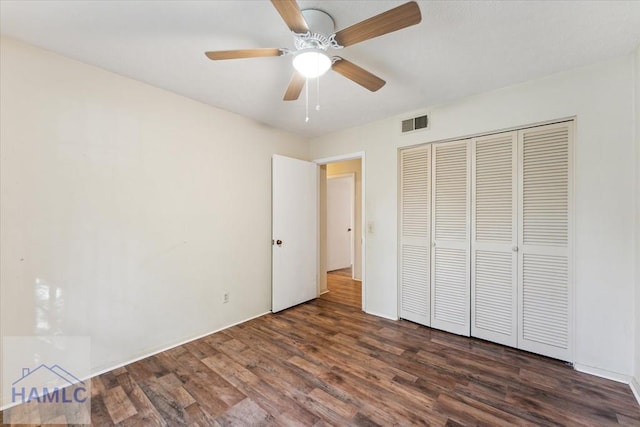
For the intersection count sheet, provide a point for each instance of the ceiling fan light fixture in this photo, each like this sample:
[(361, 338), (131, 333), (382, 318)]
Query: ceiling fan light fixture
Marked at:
[(312, 63)]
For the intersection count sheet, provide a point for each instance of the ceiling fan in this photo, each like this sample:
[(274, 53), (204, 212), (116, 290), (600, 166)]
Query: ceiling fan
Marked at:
[(314, 33)]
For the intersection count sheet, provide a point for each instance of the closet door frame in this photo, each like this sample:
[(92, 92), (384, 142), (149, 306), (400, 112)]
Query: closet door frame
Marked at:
[(519, 249)]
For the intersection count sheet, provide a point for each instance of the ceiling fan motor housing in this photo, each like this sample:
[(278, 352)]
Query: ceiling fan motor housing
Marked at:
[(319, 21)]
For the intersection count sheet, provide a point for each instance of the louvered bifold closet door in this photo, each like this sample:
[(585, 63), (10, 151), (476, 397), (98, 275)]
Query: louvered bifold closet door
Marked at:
[(450, 204), (415, 237), (494, 260), (544, 229)]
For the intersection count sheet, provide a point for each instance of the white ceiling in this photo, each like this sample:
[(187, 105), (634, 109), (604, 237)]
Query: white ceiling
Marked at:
[(460, 48)]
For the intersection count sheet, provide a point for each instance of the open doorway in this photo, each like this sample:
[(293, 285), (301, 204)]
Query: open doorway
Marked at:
[(340, 221), (341, 231)]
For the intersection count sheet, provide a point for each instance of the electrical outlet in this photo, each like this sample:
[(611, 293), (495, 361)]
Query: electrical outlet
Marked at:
[(225, 297)]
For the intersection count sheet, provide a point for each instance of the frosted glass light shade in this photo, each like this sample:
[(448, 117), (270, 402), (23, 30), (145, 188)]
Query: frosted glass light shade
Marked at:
[(312, 62)]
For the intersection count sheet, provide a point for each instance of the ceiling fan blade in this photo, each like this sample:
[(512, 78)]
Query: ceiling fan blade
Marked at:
[(358, 75), (394, 19), (291, 14), (243, 53), (295, 87)]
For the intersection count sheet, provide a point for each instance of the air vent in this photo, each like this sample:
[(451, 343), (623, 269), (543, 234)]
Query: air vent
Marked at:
[(416, 123)]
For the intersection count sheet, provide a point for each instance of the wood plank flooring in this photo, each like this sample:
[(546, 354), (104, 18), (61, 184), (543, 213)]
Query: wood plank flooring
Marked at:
[(327, 363), (343, 289)]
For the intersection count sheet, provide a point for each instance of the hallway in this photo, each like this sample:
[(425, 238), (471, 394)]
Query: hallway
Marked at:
[(343, 289)]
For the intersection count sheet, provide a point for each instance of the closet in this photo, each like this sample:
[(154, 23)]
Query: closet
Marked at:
[(485, 237)]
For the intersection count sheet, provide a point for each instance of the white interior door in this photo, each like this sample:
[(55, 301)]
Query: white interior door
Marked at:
[(450, 266), (494, 302), (340, 195), (295, 232)]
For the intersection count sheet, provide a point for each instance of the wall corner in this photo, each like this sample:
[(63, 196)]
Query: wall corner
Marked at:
[(635, 383)]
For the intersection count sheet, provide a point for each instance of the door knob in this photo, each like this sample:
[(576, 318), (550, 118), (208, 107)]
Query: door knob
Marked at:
[(348, 229), (279, 242)]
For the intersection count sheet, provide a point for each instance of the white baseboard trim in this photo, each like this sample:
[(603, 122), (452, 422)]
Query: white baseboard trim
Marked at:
[(385, 316), (602, 373), (634, 385), (185, 341), (150, 353), (635, 388), (326, 291)]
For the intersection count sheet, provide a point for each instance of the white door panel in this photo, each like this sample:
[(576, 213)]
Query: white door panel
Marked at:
[(295, 232), (544, 231), (340, 201), (450, 266), (415, 235), (494, 259)]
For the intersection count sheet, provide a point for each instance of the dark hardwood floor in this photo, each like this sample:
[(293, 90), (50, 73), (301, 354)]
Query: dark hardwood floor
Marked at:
[(328, 363)]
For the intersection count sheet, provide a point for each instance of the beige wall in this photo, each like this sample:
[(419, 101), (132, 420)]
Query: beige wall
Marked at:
[(135, 207), (355, 167), (601, 98)]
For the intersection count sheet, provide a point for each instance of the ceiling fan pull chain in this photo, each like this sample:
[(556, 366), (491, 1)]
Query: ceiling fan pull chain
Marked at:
[(306, 101), (318, 93)]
